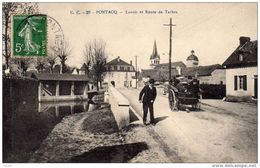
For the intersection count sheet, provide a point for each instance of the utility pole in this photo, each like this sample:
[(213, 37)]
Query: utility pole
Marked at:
[(170, 50), (136, 72)]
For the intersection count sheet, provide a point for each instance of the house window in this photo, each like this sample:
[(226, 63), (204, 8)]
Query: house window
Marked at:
[(115, 67), (240, 82), (121, 68), (240, 57), (128, 68)]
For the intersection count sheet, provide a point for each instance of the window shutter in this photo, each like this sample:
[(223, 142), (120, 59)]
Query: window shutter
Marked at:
[(245, 83), (235, 82)]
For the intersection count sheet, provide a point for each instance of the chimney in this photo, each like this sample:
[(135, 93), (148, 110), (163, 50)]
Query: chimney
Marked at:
[(118, 59), (243, 40), (131, 62)]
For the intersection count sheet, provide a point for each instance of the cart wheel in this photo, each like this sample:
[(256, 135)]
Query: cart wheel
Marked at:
[(173, 102)]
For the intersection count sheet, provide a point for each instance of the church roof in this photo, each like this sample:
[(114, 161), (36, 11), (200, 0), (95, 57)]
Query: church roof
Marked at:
[(173, 64), (192, 56), (155, 52)]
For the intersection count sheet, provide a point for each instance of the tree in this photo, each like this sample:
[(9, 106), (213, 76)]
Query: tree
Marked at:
[(63, 52), (8, 9), (41, 64), (96, 58), (51, 62)]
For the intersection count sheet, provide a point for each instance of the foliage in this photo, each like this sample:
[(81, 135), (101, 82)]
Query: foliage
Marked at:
[(64, 52), (95, 58)]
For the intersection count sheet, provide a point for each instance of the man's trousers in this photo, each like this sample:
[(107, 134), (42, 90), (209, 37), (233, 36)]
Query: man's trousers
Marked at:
[(147, 106)]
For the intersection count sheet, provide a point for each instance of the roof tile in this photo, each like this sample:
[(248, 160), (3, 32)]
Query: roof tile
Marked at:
[(249, 53), (59, 77)]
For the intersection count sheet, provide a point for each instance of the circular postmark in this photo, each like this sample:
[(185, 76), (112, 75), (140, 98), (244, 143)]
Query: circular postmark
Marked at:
[(55, 37)]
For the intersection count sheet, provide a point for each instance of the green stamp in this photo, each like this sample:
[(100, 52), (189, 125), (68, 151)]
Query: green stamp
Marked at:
[(29, 35)]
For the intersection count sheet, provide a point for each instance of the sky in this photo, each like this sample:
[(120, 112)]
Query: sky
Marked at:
[(212, 30)]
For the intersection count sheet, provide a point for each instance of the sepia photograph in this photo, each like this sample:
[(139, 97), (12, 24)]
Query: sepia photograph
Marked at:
[(114, 82)]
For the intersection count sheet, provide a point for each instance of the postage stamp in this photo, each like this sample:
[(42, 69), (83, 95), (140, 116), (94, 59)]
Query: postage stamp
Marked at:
[(29, 36)]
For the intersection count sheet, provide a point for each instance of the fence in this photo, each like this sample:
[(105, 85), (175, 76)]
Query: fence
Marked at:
[(211, 91)]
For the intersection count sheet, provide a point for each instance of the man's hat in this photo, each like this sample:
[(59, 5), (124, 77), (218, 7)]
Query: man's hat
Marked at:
[(151, 81)]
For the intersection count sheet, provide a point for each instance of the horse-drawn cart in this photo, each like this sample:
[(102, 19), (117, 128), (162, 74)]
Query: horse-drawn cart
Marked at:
[(184, 93)]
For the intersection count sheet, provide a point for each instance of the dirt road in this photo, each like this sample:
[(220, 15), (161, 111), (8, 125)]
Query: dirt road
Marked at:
[(220, 132)]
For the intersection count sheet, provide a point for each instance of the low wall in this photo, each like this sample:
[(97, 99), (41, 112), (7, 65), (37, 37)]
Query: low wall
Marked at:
[(119, 106), (18, 93), (231, 98), (64, 98)]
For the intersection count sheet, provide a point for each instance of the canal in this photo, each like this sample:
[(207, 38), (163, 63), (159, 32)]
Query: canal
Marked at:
[(27, 124), (30, 129)]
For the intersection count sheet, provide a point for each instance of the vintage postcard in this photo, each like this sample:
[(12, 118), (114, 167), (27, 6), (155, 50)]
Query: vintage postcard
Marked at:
[(130, 83)]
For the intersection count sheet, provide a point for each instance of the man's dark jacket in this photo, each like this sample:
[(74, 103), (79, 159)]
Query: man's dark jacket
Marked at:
[(147, 94)]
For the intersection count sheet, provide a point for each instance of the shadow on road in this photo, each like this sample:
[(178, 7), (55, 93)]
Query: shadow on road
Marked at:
[(158, 119), (111, 154), (188, 109)]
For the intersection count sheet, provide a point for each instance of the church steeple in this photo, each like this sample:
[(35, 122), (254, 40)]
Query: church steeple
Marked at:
[(155, 57), (155, 53)]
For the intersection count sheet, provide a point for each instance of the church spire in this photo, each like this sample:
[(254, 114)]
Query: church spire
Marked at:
[(155, 57), (155, 52)]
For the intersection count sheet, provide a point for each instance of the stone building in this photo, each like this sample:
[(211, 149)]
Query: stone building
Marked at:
[(61, 87)]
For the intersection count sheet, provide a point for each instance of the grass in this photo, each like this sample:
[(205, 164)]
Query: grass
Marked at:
[(100, 121)]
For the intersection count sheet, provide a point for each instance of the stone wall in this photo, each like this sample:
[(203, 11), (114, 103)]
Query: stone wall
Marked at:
[(120, 107)]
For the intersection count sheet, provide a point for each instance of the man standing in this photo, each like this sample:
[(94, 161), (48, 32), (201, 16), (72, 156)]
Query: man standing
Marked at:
[(147, 97)]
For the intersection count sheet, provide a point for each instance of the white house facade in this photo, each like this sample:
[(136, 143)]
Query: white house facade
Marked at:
[(241, 71), (242, 82), (120, 74)]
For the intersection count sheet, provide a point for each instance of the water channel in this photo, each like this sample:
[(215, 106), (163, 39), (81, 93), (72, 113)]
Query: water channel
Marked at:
[(27, 124)]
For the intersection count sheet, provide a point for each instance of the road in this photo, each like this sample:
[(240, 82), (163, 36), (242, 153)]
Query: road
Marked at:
[(219, 132)]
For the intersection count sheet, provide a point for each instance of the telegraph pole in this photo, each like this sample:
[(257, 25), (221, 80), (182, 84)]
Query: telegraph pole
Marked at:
[(170, 50)]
